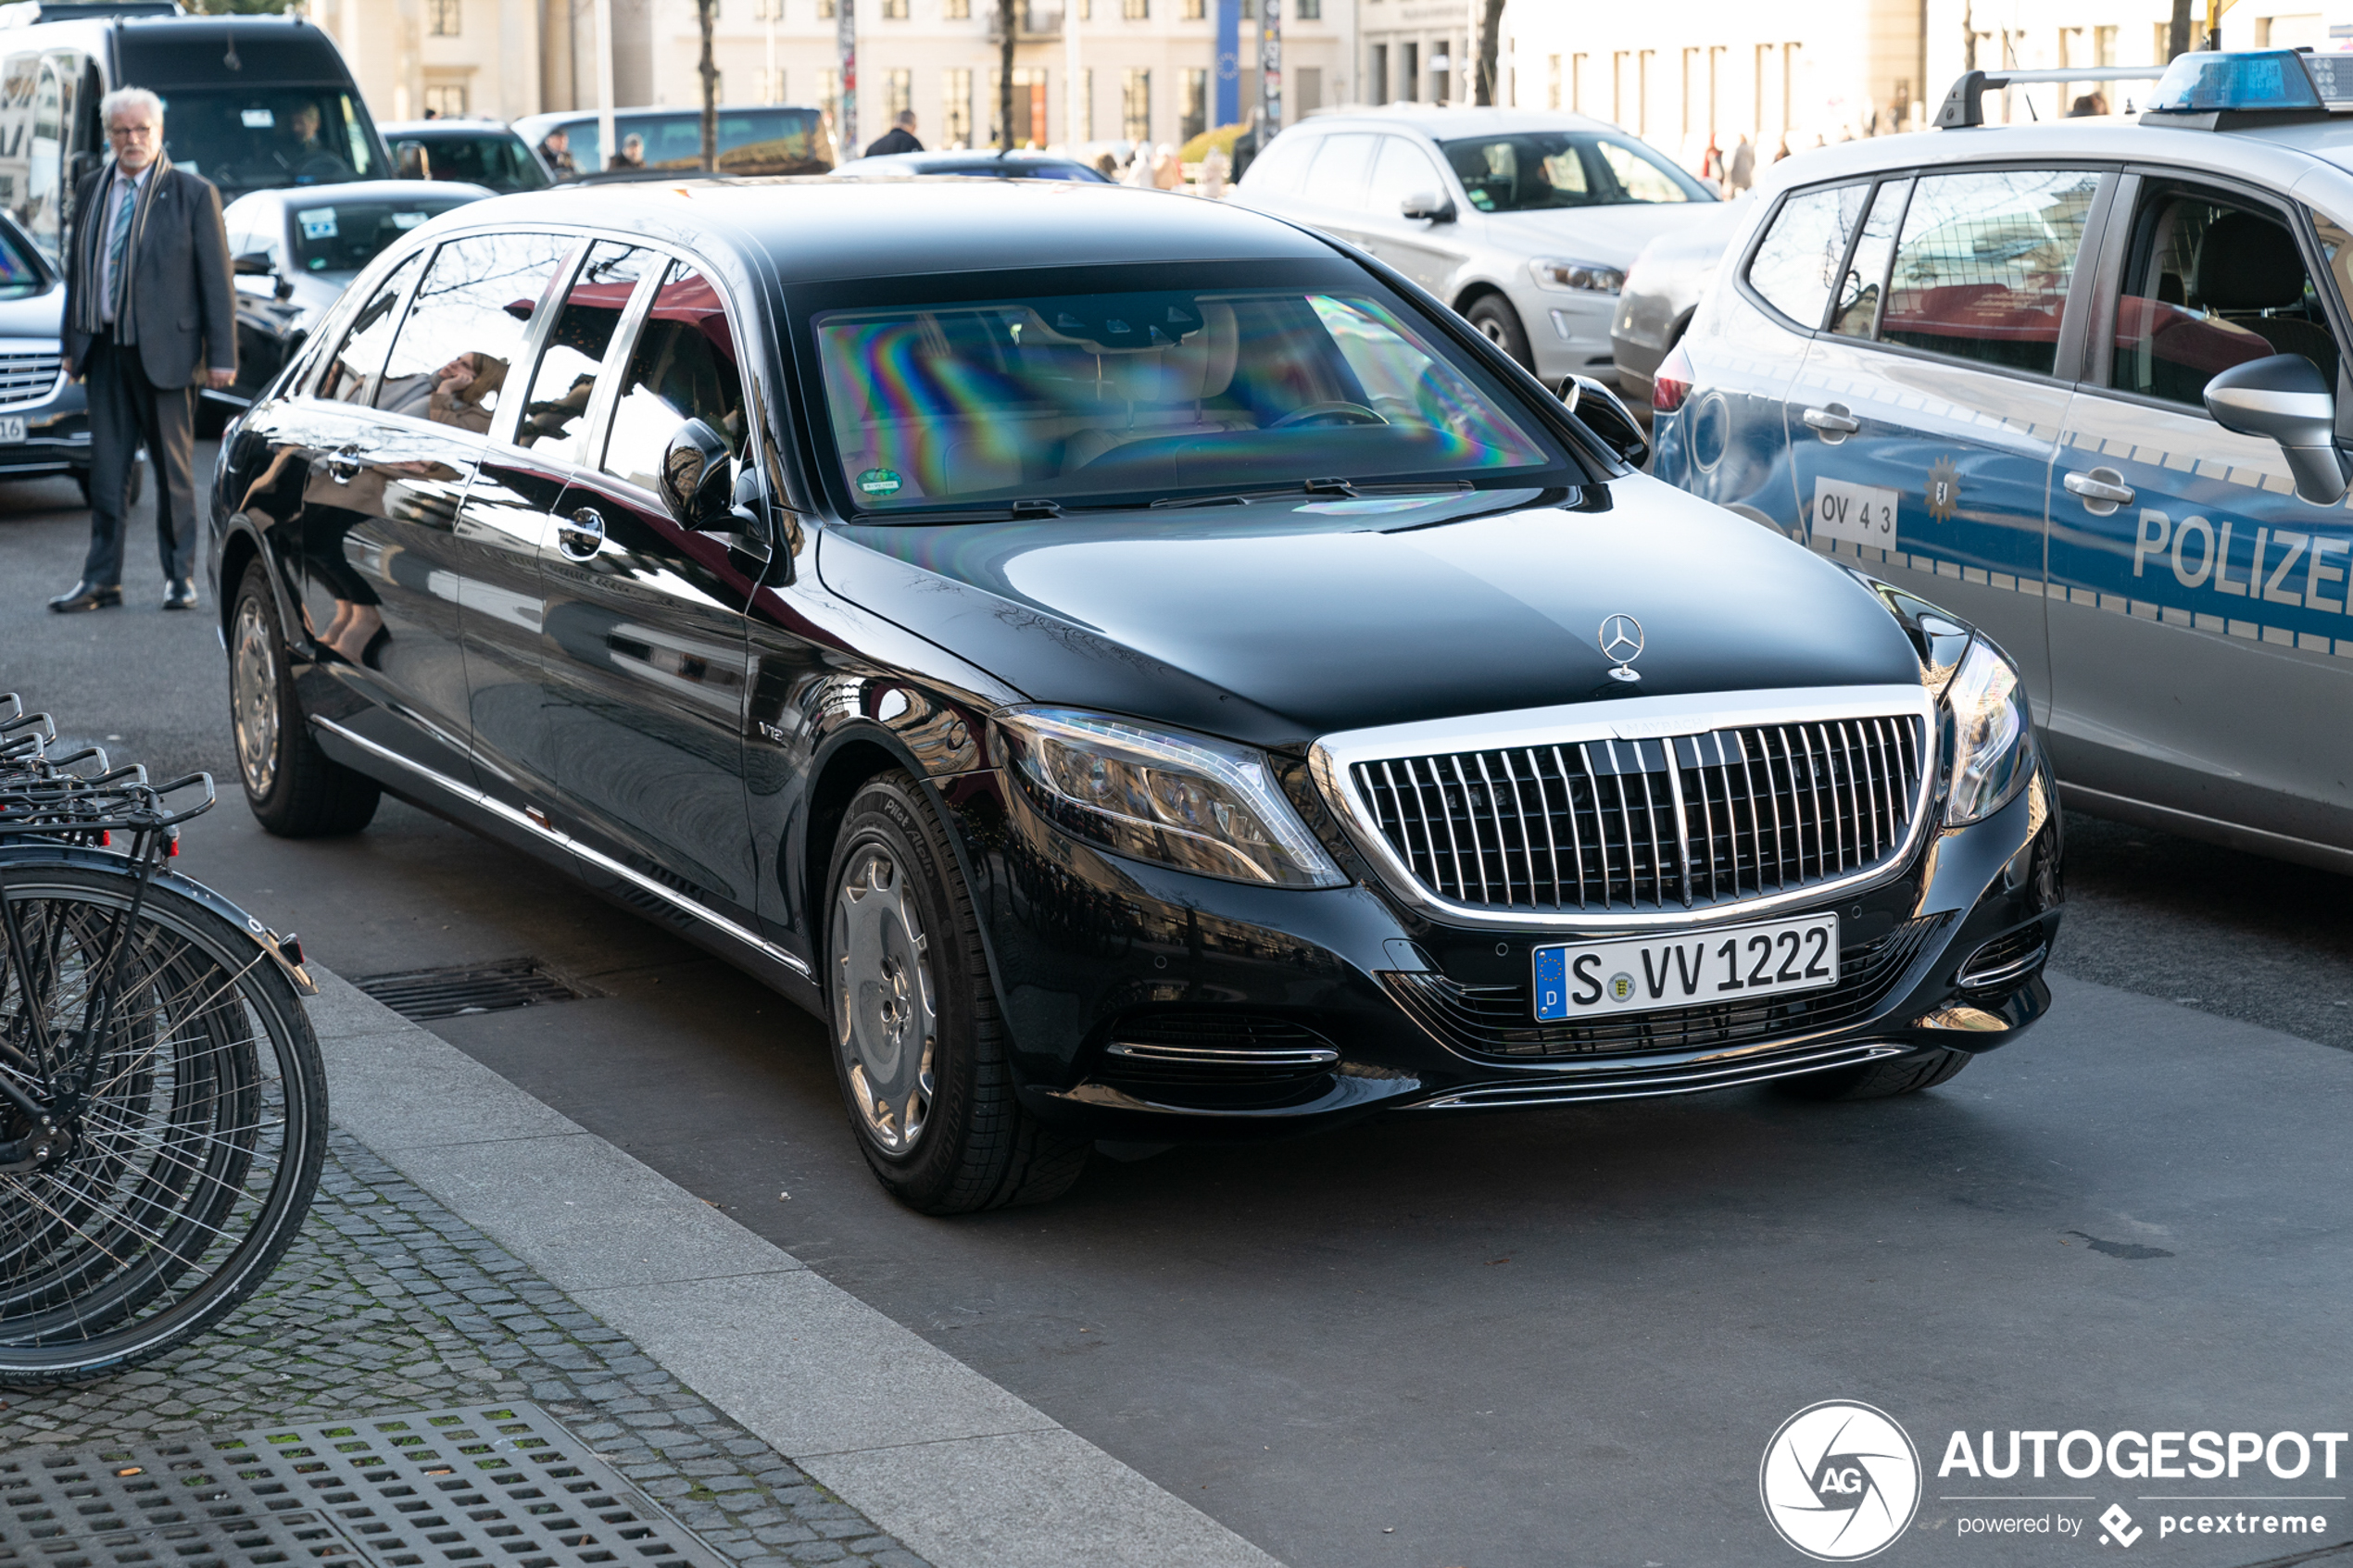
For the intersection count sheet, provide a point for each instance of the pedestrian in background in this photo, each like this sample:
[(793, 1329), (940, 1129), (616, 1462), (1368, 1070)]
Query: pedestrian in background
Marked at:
[(557, 150), (1167, 173), (900, 138), (1214, 167), (632, 154), (1107, 166), (1739, 169), (150, 313)]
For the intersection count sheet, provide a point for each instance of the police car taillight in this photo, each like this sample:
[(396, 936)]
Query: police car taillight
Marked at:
[(1671, 383)]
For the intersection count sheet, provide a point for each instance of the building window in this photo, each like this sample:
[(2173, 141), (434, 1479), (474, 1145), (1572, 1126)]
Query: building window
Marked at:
[(1136, 10), (443, 18), (1308, 96), (1310, 11), (894, 10), (829, 101), (956, 10), (899, 91), (772, 86), (1041, 16), (1136, 103), (2103, 46), (1409, 71), (825, 10), (1085, 129), (1029, 106), (1193, 112), (956, 108), (445, 100), (1378, 72)]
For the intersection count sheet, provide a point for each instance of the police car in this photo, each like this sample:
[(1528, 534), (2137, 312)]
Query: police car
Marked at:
[(2084, 383)]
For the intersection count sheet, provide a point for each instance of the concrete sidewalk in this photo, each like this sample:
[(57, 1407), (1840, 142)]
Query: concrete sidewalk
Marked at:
[(472, 1244)]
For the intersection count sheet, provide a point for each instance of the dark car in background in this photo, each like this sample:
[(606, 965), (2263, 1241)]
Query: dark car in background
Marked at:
[(1123, 698), (760, 139), (972, 165), (294, 252), (250, 103), (44, 426), (472, 151)]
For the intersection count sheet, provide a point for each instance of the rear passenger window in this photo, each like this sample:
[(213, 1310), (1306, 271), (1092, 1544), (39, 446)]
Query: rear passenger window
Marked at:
[(467, 326), (1856, 312), (568, 365), (369, 340), (1982, 269), (2210, 283), (1796, 266), (682, 368)]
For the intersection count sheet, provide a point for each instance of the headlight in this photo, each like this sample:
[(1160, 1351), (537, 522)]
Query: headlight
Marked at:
[(1182, 800), (1577, 277), (1990, 734)]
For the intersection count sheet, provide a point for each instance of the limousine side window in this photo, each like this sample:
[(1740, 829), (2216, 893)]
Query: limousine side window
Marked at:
[(467, 325), (369, 340), (1982, 269), (683, 367), (554, 414)]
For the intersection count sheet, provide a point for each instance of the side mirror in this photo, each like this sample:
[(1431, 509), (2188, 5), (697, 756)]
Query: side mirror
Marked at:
[(1427, 204), (1606, 416), (81, 168), (2286, 397), (696, 473), (411, 161), (253, 264)]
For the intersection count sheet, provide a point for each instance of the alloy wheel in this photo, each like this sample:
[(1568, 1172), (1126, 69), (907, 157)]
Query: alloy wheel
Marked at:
[(252, 698), (885, 1012)]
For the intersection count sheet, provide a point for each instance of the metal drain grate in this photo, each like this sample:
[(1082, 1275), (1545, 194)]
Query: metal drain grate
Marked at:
[(455, 1489), (420, 994)]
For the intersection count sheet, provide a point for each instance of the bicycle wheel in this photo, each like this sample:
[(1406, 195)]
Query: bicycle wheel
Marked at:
[(172, 1193)]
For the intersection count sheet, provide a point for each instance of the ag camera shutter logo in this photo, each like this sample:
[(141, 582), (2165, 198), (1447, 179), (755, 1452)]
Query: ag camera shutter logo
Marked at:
[(1840, 1481)]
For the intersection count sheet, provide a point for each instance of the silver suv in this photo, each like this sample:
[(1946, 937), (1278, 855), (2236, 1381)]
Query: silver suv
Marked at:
[(1524, 222)]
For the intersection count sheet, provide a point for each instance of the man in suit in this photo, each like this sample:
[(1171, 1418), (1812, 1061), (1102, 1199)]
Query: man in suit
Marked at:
[(900, 138), (150, 314)]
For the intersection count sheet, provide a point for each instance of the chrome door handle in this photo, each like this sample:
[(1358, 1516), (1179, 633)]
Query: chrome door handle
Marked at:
[(582, 534), (344, 464), (1832, 420), (2103, 490)]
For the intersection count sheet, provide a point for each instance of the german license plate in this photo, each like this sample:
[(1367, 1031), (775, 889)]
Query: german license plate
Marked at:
[(1689, 969), (11, 429)]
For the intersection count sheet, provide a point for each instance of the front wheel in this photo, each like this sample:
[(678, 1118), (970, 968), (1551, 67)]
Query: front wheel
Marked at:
[(295, 790), (177, 1149), (1499, 324), (919, 1047)]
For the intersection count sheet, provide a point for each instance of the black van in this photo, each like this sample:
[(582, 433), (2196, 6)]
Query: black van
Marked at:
[(250, 103)]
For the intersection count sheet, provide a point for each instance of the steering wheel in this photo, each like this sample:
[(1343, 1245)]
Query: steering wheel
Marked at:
[(1337, 412)]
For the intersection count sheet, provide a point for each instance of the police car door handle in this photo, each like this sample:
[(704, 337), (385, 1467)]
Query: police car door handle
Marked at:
[(1832, 420), (2103, 490)]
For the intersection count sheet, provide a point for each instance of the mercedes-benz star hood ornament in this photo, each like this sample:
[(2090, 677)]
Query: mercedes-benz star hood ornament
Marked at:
[(1622, 641)]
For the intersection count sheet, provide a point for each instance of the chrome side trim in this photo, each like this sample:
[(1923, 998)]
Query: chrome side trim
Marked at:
[(564, 841), (1640, 1085), (1333, 759), (1213, 1056)]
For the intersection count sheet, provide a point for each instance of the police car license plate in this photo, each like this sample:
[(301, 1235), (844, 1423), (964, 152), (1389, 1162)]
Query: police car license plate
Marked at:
[(11, 429), (1689, 969)]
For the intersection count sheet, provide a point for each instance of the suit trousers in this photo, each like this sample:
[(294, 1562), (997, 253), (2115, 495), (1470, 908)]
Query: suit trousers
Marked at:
[(127, 411)]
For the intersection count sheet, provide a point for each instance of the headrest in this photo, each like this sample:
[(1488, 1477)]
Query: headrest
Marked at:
[(2248, 262), (1201, 367)]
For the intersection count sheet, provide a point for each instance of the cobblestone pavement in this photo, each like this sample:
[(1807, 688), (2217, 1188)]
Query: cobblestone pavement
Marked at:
[(388, 1302)]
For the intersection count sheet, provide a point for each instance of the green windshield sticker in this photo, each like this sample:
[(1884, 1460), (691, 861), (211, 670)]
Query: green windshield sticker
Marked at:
[(879, 481)]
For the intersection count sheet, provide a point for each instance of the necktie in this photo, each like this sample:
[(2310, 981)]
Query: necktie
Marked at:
[(117, 244)]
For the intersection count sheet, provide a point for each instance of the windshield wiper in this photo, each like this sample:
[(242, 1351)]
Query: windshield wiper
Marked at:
[(1343, 488)]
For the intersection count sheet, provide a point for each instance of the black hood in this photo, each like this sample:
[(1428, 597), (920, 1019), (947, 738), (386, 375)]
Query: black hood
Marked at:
[(1272, 625)]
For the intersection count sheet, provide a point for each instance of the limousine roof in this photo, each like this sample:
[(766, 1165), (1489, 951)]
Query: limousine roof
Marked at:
[(816, 229)]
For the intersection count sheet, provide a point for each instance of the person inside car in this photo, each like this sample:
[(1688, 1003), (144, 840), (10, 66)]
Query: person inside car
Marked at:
[(312, 159)]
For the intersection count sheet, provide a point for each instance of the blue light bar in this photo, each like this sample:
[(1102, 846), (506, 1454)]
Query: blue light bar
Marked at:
[(2210, 82)]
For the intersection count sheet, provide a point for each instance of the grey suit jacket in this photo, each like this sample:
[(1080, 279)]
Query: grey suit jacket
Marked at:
[(184, 308)]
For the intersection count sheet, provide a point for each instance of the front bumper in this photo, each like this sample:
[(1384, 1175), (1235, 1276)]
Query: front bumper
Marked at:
[(1151, 1005)]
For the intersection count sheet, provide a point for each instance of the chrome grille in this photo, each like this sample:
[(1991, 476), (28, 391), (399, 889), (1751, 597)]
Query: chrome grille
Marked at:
[(26, 378), (1682, 822)]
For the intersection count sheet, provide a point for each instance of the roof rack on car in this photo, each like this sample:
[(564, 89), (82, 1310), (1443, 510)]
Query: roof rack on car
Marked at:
[(1965, 105)]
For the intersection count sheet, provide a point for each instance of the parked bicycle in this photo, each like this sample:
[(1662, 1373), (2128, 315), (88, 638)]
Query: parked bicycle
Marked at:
[(163, 1108)]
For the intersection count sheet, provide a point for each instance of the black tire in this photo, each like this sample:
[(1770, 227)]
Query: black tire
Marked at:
[(1879, 1080), (1499, 324), (295, 790), (938, 1117), (190, 1174)]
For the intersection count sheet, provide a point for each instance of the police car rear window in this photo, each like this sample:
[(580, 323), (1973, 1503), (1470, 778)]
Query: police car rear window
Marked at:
[(1982, 272)]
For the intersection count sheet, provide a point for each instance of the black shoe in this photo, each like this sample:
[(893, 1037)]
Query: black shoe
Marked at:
[(85, 596), (182, 595)]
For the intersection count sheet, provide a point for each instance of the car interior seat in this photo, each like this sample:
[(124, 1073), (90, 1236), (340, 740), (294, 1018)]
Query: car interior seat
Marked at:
[(2249, 265), (1165, 389)]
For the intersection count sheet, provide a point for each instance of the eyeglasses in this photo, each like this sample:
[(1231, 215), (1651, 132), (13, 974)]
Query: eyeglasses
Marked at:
[(130, 133)]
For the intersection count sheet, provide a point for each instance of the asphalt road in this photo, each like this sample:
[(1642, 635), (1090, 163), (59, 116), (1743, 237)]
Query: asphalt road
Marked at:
[(1548, 1339)]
